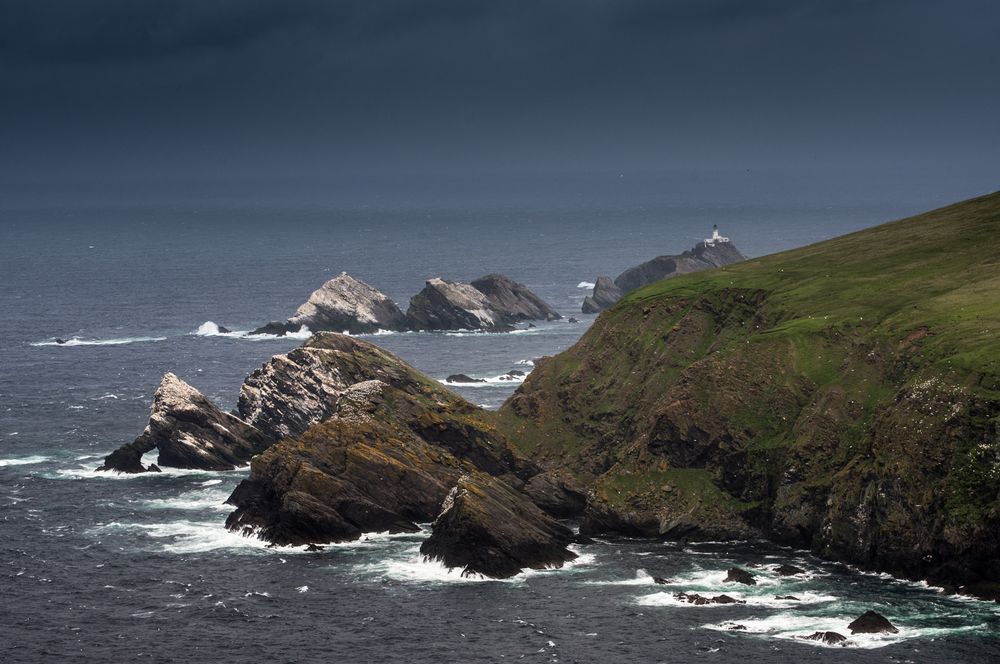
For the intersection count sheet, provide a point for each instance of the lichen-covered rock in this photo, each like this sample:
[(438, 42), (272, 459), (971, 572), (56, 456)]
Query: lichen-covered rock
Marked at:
[(514, 299), (486, 527), (342, 304), (189, 431)]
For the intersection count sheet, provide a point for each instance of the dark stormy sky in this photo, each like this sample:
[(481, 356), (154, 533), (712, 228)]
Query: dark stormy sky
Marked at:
[(120, 88)]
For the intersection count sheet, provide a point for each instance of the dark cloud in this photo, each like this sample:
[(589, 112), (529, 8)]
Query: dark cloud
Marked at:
[(272, 84)]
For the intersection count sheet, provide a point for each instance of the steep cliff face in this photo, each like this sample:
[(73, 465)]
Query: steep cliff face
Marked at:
[(844, 397)]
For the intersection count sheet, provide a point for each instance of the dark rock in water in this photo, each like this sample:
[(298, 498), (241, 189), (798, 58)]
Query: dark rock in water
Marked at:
[(605, 295), (788, 570), (831, 638), (737, 628), (153, 468), (737, 575), (313, 547), (462, 378), (700, 600), (342, 304), (60, 340), (572, 320), (531, 326), (488, 528), (276, 328), (514, 299), (190, 432), (516, 373), (557, 493), (224, 330), (871, 622), (660, 581), (791, 598), (450, 305)]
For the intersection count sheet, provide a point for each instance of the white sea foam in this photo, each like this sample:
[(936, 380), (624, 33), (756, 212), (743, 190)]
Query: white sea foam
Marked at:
[(412, 566), (641, 578), (667, 598), (211, 329), (503, 379), (585, 284), (525, 363), (794, 626), (76, 341), (91, 473), (23, 461)]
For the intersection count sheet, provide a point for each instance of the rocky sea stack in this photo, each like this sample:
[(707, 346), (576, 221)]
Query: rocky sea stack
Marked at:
[(342, 304), (842, 397)]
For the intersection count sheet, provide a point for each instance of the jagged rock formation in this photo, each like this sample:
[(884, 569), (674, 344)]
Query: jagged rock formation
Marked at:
[(605, 294), (488, 528), (702, 256), (190, 432), (514, 299), (841, 397), (451, 305), (342, 304)]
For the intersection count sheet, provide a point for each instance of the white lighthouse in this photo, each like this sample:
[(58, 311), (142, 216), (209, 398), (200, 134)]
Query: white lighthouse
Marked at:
[(716, 238)]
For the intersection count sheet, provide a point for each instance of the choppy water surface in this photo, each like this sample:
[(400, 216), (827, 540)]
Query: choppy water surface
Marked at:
[(100, 568)]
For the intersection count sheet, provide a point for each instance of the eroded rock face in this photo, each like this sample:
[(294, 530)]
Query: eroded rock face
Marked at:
[(451, 305), (342, 304), (514, 299), (190, 432), (605, 294), (486, 527)]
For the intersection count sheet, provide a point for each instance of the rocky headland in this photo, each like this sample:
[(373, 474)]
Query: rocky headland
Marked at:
[(703, 256)]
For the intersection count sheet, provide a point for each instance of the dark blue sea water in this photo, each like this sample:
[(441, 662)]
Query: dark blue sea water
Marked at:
[(97, 568)]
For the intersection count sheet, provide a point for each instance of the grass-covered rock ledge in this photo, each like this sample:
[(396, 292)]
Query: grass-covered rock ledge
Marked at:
[(842, 397)]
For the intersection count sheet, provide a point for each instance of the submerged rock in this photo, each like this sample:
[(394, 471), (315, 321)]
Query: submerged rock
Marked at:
[(486, 527), (871, 622), (832, 638), (789, 570), (737, 575), (342, 304), (190, 432), (514, 299), (699, 600)]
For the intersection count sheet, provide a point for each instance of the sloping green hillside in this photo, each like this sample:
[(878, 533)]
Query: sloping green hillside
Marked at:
[(842, 396)]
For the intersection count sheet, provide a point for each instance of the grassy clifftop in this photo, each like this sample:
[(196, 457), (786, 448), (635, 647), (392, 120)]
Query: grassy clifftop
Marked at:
[(843, 396)]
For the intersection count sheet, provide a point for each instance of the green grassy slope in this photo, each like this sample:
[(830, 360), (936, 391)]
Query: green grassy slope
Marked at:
[(843, 396)]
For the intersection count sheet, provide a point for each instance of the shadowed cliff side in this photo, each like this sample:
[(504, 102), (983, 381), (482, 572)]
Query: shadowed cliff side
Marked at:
[(843, 397)]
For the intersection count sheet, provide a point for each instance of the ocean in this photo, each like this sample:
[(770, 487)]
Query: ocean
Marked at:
[(99, 568)]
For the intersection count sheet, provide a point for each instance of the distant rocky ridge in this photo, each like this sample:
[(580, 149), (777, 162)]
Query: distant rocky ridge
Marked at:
[(703, 256), (492, 303)]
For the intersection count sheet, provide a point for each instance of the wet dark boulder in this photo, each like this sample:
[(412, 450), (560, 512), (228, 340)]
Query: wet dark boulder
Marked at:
[(788, 570), (276, 328), (790, 598), (738, 575), (486, 527), (463, 378), (830, 638), (189, 431), (660, 581), (871, 622), (701, 600), (514, 299)]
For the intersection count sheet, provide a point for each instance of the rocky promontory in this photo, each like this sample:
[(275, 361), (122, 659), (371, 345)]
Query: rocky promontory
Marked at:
[(514, 299), (703, 256), (189, 431), (453, 305)]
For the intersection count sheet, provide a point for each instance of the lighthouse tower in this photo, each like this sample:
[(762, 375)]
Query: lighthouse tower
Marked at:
[(716, 238)]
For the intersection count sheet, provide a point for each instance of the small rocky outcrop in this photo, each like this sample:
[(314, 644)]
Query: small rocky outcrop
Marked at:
[(738, 575), (486, 527), (463, 378), (830, 638), (342, 304), (452, 305), (701, 257), (871, 622), (514, 299), (605, 294), (788, 570), (701, 600), (190, 432)]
